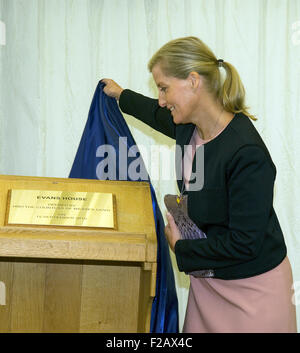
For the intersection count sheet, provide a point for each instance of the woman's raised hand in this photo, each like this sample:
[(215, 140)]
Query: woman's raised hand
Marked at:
[(111, 88)]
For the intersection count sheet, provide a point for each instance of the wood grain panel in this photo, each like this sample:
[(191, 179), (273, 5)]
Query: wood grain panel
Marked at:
[(62, 297), (28, 297), (146, 295), (72, 244), (110, 298)]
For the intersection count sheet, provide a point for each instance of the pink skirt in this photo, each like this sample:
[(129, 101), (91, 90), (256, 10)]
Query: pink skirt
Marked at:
[(261, 303)]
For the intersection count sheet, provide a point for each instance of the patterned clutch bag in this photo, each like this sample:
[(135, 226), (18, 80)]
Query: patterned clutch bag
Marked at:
[(188, 229)]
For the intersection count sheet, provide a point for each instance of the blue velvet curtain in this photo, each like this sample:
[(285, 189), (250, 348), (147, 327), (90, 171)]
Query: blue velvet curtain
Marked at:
[(105, 126)]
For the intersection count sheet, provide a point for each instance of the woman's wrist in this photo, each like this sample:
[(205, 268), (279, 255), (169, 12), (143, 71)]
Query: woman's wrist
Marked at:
[(119, 94)]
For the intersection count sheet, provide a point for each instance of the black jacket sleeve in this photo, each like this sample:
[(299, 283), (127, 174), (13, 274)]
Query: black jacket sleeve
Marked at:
[(250, 182), (148, 110)]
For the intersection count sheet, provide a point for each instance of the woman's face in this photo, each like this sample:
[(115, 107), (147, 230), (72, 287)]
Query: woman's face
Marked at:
[(175, 94)]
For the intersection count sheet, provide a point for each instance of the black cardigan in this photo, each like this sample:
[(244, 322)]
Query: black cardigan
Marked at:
[(235, 206)]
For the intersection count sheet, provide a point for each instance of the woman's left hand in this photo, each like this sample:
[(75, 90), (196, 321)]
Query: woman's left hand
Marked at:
[(172, 232)]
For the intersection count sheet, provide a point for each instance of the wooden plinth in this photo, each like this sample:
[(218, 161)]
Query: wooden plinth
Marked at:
[(76, 280)]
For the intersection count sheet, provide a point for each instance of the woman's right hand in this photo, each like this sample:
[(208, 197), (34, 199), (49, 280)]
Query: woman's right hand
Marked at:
[(111, 88)]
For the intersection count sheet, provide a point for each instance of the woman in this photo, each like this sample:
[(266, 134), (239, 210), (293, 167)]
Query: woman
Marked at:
[(250, 290)]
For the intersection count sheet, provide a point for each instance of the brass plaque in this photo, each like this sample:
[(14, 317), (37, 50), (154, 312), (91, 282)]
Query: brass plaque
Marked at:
[(61, 208)]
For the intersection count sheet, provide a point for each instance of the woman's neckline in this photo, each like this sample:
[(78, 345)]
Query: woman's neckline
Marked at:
[(205, 142)]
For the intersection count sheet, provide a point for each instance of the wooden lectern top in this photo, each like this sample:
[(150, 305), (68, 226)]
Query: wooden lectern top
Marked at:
[(133, 240)]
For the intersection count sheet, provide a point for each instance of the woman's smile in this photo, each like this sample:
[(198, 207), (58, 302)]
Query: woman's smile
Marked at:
[(174, 94)]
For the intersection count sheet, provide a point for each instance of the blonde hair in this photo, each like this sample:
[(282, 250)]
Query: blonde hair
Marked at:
[(181, 56)]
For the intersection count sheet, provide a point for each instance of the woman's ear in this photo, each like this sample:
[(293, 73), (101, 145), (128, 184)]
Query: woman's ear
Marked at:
[(195, 80)]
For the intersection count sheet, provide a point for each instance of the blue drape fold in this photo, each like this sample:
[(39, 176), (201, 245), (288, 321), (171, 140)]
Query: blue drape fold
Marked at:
[(106, 127)]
